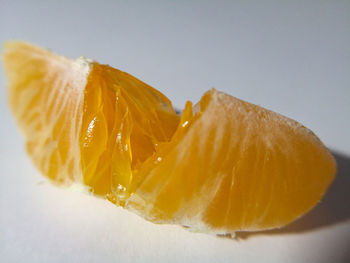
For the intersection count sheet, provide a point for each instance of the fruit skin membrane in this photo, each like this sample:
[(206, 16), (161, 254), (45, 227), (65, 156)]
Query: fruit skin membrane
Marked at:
[(225, 165), (255, 169), (46, 94)]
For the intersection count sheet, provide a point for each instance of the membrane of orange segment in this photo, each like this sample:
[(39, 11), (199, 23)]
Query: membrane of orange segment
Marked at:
[(46, 96), (226, 165), (232, 166)]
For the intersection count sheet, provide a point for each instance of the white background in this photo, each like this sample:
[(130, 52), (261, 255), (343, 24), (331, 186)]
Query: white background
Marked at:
[(290, 56)]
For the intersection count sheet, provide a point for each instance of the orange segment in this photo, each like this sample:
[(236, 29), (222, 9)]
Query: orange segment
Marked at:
[(233, 166), (225, 165), (46, 97)]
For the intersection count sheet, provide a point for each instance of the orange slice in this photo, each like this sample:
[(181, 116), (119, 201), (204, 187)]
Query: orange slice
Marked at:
[(226, 165)]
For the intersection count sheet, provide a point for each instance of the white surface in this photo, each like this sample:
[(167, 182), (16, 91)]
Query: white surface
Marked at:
[(290, 56)]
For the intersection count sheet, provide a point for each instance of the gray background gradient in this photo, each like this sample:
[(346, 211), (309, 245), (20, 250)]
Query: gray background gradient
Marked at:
[(292, 57)]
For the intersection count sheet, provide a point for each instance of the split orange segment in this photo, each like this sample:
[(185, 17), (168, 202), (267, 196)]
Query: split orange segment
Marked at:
[(224, 165)]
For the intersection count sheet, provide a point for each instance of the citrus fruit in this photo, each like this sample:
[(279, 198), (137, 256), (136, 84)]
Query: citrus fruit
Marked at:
[(224, 165)]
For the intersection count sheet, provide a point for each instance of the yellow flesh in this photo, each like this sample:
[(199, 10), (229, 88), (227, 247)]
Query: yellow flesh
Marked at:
[(227, 165), (124, 120)]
